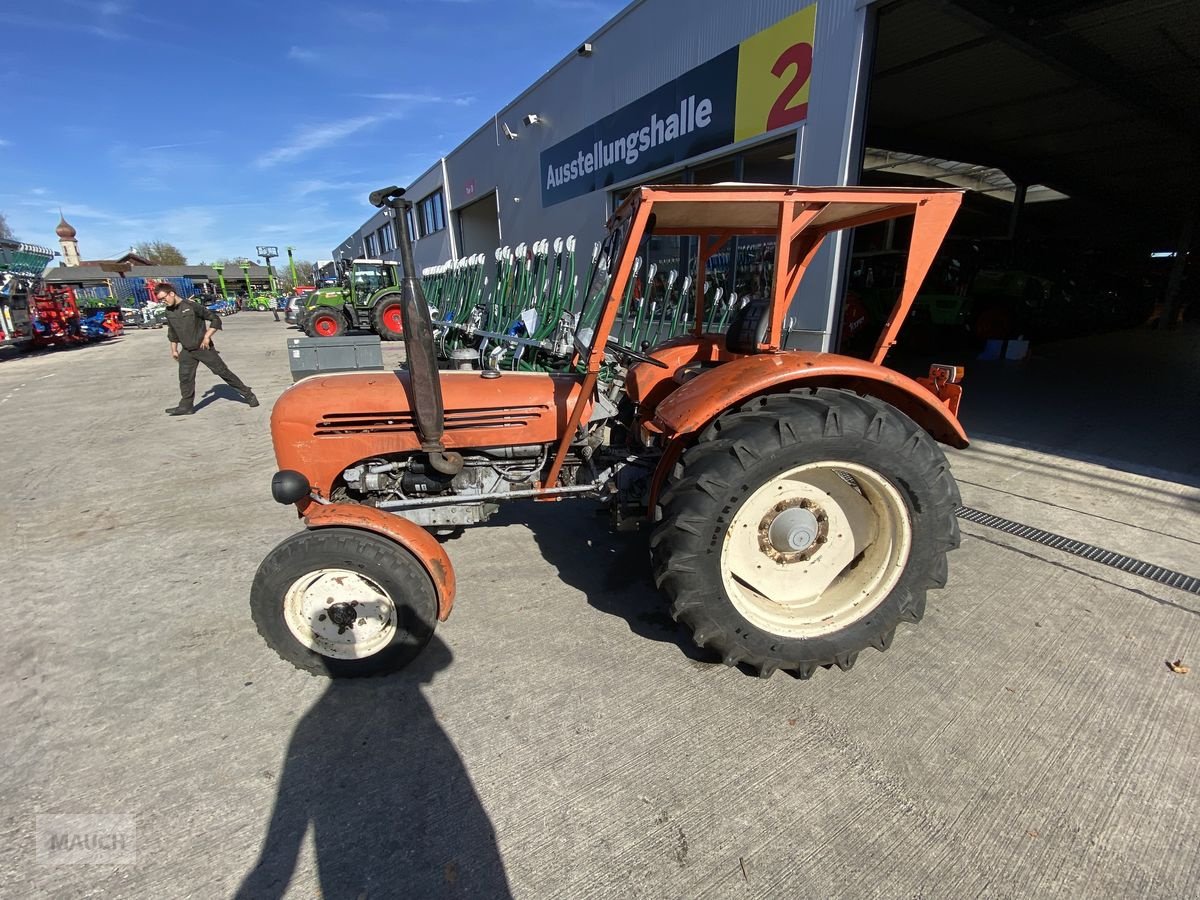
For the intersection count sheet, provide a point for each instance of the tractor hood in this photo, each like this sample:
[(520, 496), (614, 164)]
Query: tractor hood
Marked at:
[(325, 423), (327, 295)]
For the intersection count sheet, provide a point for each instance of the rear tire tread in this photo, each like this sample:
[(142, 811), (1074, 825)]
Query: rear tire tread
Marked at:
[(741, 438)]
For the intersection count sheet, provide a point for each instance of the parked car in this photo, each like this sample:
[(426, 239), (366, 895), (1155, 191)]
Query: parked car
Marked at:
[(294, 304)]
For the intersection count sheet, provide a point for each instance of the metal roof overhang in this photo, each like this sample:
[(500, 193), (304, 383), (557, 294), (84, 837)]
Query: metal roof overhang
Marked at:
[(1094, 98), (755, 209)]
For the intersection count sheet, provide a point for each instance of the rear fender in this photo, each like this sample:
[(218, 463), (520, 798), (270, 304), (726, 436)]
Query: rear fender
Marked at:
[(693, 406), (412, 537), (696, 403)]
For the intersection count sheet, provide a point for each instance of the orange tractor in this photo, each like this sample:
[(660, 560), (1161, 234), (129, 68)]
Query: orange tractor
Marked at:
[(799, 502)]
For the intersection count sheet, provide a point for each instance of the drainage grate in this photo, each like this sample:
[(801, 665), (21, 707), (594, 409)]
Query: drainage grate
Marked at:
[(1109, 558)]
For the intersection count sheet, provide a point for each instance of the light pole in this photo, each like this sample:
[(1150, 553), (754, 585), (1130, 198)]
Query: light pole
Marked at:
[(269, 253), (245, 267), (219, 268)]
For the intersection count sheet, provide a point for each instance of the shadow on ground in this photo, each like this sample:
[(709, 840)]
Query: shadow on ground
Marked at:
[(611, 569), (392, 808), (218, 392)]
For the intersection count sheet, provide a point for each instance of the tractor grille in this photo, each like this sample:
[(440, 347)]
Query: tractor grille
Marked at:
[(456, 420), (1109, 558)]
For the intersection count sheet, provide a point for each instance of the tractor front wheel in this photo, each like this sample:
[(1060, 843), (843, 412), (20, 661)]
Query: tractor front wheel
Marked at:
[(389, 324), (344, 603), (327, 323), (803, 528)]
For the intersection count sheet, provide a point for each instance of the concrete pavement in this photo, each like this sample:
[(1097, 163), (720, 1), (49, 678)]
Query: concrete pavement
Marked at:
[(561, 738)]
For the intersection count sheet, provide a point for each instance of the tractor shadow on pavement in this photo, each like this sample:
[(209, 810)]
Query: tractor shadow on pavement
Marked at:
[(611, 568), (391, 805)]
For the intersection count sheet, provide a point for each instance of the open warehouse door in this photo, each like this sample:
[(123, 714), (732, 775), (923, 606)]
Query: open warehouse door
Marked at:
[(1065, 287)]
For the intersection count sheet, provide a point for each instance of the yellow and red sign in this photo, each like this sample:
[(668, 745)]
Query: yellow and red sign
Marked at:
[(756, 86), (774, 75)]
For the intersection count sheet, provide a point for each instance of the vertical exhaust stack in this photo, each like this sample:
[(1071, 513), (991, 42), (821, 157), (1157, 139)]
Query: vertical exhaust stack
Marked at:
[(426, 386)]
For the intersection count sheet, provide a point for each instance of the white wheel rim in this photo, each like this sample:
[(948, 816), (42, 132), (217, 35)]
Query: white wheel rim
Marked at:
[(339, 613), (851, 538)]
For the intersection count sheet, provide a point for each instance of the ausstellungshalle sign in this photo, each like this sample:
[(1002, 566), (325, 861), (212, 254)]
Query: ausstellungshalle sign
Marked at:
[(761, 85), (685, 117)]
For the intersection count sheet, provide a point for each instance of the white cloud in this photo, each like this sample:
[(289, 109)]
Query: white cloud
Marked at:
[(176, 146), (301, 54), (316, 137), (588, 6), (365, 19), (201, 231), (403, 97), (158, 167), (320, 186), (4, 143), (57, 24)]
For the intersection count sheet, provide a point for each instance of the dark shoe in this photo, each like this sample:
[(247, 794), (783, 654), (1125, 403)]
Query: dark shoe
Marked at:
[(180, 411), (251, 400)]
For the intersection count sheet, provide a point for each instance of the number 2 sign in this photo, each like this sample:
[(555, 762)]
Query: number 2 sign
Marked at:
[(774, 75)]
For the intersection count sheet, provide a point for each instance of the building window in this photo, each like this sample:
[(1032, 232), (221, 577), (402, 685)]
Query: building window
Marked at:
[(371, 246), (387, 238), (411, 219), (432, 213)]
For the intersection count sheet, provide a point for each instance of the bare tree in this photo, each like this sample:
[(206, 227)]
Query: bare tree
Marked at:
[(304, 270), (5, 231), (160, 253)]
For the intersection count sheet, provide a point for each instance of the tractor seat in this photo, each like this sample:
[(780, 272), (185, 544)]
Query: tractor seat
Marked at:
[(748, 327)]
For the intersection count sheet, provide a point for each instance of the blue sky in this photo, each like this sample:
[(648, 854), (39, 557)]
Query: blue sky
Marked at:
[(225, 125)]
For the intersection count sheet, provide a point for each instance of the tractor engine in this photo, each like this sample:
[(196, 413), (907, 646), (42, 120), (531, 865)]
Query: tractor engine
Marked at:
[(412, 488)]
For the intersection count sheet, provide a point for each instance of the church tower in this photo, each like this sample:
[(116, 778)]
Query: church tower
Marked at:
[(66, 239)]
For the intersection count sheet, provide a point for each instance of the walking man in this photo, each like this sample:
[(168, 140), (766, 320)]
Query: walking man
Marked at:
[(193, 325)]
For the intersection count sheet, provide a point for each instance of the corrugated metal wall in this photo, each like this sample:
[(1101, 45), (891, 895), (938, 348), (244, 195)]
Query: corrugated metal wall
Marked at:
[(433, 248)]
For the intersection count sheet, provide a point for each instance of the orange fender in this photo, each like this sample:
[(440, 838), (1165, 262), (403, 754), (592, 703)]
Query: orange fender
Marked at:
[(412, 537), (713, 391)]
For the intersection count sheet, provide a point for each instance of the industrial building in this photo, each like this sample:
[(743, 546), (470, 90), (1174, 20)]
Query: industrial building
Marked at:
[(1071, 123)]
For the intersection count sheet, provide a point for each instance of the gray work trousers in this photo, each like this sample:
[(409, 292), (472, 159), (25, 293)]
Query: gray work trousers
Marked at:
[(190, 359)]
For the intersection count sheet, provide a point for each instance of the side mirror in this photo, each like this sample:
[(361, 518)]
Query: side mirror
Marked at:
[(583, 340)]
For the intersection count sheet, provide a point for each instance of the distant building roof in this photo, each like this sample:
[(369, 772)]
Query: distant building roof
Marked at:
[(101, 270), (124, 261), (153, 271), (76, 274)]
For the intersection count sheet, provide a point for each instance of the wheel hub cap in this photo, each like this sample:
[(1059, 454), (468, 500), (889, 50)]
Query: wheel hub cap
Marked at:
[(795, 529), (340, 613), (816, 548), (343, 615)]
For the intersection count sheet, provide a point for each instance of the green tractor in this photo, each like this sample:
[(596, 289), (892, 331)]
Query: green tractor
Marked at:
[(366, 297)]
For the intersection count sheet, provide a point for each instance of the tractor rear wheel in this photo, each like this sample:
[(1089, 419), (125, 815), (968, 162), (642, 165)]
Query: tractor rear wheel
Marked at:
[(344, 603), (326, 323), (802, 528), (389, 324)]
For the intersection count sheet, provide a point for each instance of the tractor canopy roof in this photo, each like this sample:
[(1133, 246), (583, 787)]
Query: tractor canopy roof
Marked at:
[(797, 217)]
